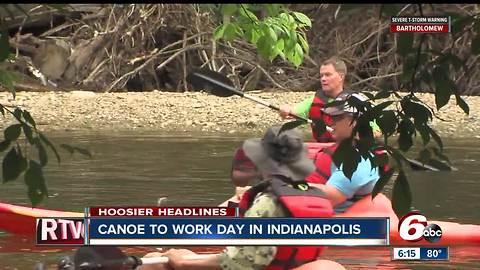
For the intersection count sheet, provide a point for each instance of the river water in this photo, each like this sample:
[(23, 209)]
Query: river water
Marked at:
[(193, 170)]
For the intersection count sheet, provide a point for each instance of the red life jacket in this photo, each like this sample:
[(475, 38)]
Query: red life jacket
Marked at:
[(316, 113), (297, 203)]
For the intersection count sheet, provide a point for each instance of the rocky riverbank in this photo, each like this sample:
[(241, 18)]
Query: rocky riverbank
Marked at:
[(193, 111)]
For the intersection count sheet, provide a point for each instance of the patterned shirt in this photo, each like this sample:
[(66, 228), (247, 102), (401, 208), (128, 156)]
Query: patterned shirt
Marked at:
[(253, 257)]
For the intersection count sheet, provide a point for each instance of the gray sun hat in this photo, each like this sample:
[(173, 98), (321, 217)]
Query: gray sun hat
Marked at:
[(283, 154), (343, 106)]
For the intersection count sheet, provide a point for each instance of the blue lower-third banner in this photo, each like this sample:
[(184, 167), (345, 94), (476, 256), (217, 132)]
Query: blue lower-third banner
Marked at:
[(239, 231)]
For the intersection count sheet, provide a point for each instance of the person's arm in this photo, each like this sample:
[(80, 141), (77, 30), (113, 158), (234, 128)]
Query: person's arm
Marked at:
[(301, 108), (339, 188), (177, 262), (335, 196), (377, 131)]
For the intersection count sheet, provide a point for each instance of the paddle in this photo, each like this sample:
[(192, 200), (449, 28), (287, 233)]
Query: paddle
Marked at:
[(219, 85), (111, 258)]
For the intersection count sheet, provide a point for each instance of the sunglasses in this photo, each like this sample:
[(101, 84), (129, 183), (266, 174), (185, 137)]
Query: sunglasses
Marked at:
[(340, 117)]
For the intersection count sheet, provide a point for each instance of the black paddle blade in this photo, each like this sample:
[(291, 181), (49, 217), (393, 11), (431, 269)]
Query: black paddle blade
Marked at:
[(104, 258), (213, 82)]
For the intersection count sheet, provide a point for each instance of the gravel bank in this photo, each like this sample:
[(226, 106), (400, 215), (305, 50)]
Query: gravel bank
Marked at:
[(198, 112)]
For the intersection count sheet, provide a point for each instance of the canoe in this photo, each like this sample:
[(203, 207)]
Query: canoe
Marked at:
[(21, 220)]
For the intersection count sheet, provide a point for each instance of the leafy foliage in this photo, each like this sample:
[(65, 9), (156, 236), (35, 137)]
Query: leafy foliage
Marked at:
[(273, 29), (16, 160)]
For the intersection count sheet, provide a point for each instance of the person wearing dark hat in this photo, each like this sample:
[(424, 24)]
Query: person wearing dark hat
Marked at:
[(281, 158), (341, 190)]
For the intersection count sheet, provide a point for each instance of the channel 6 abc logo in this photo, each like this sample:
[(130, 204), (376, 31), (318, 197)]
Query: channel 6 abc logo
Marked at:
[(413, 227)]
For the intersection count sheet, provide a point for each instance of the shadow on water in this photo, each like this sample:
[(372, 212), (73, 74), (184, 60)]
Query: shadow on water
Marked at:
[(137, 169)]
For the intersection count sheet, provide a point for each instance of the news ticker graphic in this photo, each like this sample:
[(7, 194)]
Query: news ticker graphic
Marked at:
[(420, 253), (424, 24), (239, 231), (204, 226), (162, 211), (413, 227), (61, 231)]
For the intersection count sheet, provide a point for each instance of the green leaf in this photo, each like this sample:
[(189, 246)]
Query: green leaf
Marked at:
[(49, 144), (229, 9), (298, 56), (436, 138), (42, 153), (425, 133), (13, 165), (382, 106), (382, 94), (280, 45), (405, 140), (272, 35), (387, 122), (424, 155), (347, 157), (219, 31), (230, 32), (405, 44), (302, 18), (12, 132), (4, 145), (443, 89), (27, 130), (264, 47), (303, 42), (291, 125), (28, 117), (463, 105), (4, 44), (350, 164), (248, 14), (319, 127), (401, 195), (384, 178), (35, 181), (18, 114)]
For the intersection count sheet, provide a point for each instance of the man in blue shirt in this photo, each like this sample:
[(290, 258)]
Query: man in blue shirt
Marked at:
[(342, 191)]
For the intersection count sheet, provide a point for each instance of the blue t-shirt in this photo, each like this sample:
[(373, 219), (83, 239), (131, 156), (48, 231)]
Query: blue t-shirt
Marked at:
[(362, 182)]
